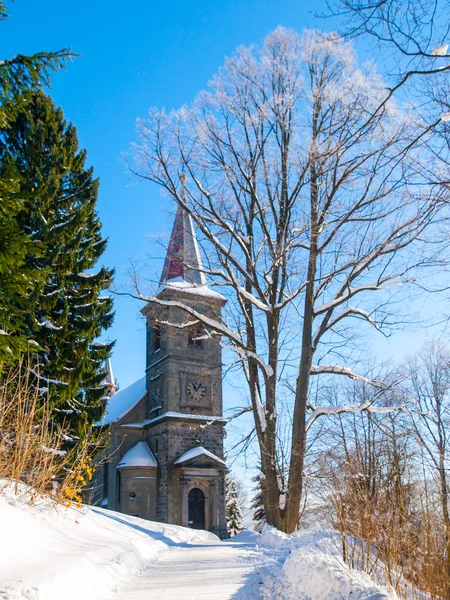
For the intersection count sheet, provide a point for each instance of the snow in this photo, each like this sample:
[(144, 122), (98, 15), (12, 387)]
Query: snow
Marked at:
[(189, 288), (440, 50), (177, 415), (337, 370), (261, 414), (54, 451), (351, 407), (204, 571), (308, 566), (49, 325), (347, 312), (46, 379), (50, 553), (324, 576), (123, 401), (139, 455), (194, 452)]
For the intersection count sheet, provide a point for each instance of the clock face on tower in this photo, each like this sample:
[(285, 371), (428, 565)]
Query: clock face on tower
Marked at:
[(195, 390)]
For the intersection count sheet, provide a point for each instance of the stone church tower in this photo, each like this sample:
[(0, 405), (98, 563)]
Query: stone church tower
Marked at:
[(168, 432)]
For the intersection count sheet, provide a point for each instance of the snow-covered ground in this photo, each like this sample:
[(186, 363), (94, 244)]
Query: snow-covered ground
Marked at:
[(307, 565), (54, 553)]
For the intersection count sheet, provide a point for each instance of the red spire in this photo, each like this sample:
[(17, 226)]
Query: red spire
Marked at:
[(183, 261)]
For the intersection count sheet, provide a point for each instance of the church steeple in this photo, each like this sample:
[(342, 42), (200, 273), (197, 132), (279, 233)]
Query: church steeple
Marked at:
[(180, 417), (183, 262), (109, 381)]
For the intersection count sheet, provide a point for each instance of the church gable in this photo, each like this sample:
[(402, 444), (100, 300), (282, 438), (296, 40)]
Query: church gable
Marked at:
[(199, 457)]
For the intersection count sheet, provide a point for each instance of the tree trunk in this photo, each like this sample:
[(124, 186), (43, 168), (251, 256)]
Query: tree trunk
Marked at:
[(298, 446), (446, 517)]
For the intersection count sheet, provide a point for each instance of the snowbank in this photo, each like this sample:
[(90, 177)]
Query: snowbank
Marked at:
[(309, 567), (49, 553), (54, 553), (325, 577)]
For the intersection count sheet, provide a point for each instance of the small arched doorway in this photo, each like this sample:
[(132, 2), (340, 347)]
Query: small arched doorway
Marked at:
[(196, 509)]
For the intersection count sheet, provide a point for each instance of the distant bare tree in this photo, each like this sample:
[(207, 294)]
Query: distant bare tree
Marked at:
[(414, 30), (429, 377), (365, 480), (315, 196), (412, 38)]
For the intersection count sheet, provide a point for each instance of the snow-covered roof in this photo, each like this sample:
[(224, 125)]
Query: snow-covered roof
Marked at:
[(123, 401), (178, 415), (190, 288), (194, 452), (139, 455)]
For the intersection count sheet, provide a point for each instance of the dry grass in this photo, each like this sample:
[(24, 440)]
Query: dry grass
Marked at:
[(33, 449), (395, 534)]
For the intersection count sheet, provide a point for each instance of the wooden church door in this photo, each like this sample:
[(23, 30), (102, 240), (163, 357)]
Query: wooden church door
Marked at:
[(196, 509)]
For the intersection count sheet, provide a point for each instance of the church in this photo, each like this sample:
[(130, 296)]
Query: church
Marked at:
[(165, 457)]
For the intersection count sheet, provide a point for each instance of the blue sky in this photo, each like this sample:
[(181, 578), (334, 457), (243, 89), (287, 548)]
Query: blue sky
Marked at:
[(135, 55)]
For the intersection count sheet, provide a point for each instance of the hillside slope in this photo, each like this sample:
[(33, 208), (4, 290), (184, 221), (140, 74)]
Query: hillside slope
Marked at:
[(49, 553)]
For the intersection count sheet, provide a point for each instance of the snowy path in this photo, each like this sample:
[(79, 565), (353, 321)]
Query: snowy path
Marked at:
[(203, 571), (50, 553)]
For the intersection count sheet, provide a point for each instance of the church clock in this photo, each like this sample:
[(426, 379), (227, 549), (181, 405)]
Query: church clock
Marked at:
[(196, 390)]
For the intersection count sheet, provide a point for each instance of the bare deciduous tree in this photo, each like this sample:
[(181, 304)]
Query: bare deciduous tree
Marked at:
[(429, 377), (366, 483), (314, 195), (415, 31), (412, 38), (384, 480)]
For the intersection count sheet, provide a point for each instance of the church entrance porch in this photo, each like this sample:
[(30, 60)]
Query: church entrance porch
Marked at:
[(196, 509), (201, 484), (199, 500)]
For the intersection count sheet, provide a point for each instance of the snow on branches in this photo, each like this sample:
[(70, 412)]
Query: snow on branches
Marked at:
[(233, 509), (315, 198)]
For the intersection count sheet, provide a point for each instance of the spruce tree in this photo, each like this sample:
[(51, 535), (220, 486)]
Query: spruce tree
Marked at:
[(257, 505), (233, 509), (17, 75), (16, 280), (67, 306)]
